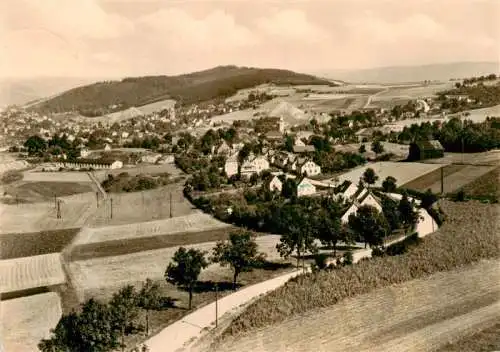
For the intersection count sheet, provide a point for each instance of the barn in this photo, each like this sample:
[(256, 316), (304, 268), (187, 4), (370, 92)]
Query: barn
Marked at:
[(425, 150)]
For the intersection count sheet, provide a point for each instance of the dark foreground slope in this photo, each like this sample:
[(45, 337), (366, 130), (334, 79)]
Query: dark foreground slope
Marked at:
[(100, 98)]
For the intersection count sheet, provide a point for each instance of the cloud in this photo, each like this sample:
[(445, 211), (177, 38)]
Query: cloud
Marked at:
[(292, 25), (182, 31)]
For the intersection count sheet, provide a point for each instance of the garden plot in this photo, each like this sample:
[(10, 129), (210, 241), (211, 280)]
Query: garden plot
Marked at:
[(403, 172), (94, 275), (31, 272), (491, 157), (27, 320), (43, 191), (195, 222), (399, 150)]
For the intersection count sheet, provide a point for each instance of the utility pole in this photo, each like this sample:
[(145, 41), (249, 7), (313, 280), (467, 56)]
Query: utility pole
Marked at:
[(216, 305), (97, 198), (55, 200), (442, 179), (170, 204), (111, 203), (59, 210)]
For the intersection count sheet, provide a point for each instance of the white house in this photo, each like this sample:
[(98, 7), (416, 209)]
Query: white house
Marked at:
[(254, 165), (231, 167), (366, 199), (305, 188), (150, 158), (107, 147), (84, 152), (274, 184), (309, 168), (224, 148), (166, 159), (90, 164), (125, 135)]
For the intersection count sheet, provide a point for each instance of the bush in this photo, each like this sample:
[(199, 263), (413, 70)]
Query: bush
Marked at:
[(404, 245)]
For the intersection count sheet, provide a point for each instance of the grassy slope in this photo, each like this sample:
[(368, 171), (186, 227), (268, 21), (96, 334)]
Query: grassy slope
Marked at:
[(470, 234), (94, 99), (486, 185)]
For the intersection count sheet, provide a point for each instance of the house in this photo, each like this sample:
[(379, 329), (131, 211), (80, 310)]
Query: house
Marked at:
[(366, 199), (231, 166), (273, 136), (273, 184), (305, 188), (309, 168), (298, 142), (280, 159), (254, 165), (303, 149), (425, 150), (223, 149), (166, 159), (150, 158), (107, 147)]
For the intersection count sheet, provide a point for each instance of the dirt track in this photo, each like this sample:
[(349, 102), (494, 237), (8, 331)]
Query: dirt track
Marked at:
[(416, 316)]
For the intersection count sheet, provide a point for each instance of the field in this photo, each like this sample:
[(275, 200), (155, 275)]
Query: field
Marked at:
[(469, 235), (27, 320), (142, 206), (194, 222), (31, 272), (486, 185), (491, 157), (43, 215), (17, 245), (140, 169), (486, 340), (399, 150), (403, 172), (455, 177), (45, 191), (416, 316), (8, 162), (103, 275)]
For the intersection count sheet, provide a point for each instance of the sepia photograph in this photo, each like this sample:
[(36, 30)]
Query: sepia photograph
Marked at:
[(249, 175)]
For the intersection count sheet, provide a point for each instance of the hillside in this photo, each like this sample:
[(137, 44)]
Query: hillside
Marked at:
[(219, 82), (401, 74)]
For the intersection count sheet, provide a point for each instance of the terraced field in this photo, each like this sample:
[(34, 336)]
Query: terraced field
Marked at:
[(56, 177), (31, 272), (27, 320)]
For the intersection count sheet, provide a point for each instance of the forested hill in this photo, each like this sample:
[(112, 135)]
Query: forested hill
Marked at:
[(219, 82)]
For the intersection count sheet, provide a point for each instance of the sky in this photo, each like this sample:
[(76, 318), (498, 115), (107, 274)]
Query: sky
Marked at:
[(117, 38)]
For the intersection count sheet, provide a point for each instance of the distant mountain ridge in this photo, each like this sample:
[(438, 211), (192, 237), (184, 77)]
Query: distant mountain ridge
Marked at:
[(403, 74), (220, 82)]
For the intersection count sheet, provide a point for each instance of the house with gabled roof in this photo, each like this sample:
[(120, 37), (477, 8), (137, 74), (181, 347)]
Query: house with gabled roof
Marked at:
[(365, 197), (273, 184), (305, 188), (254, 165)]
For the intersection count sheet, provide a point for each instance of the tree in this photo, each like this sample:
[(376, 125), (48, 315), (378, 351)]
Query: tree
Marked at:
[(391, 212), (329, 225), (389, 184), (240, 252), (89, 331), (297, 229), (377, 147), (36, 145), (123, 308), (185, 269), (428, 199), (369, 176), (149, 298), (362, 149), (289, 142), (369, 225), (409, 216)]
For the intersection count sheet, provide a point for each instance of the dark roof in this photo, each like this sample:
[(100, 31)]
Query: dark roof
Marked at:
[(429, 145), (92, 161), (273, 135), (303, 149)]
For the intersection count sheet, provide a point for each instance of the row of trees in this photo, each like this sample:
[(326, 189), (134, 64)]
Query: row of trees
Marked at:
[(100, 327)]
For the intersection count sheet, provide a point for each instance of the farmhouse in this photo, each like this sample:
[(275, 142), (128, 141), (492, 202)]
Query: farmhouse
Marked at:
[(303, 149), (305, 188), (280, 160), (366, 199), (273, 184), (150, 158), (166, 159), (87, 164), (425, 150), (309, 168), (254, 165)]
